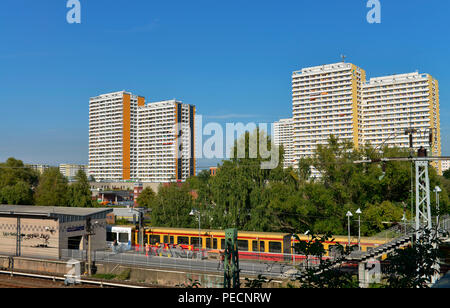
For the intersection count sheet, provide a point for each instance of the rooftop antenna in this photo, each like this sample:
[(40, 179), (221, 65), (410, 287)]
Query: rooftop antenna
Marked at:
[(343, 58)]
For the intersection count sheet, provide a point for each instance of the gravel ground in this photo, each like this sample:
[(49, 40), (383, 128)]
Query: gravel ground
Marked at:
[(20, 282)]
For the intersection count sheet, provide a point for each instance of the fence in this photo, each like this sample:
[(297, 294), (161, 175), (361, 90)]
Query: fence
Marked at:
[(252, 264)]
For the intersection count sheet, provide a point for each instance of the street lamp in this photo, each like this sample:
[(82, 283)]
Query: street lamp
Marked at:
[(349, 214), (359, 228), (437, 190), (193, 213), (404, 221)]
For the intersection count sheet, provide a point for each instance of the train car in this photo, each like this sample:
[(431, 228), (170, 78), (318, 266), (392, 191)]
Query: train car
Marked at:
[(122, 235), (251, 245)]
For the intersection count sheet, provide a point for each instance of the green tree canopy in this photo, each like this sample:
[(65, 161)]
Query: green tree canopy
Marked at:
[(16, 183), (147, 198), (245, 196), (172, 207), (79, 193), (52, 189)]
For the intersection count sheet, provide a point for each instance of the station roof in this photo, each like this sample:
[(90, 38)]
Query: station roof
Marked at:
[(52, 211)]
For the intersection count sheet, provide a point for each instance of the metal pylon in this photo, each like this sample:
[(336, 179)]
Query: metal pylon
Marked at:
[(231, 261), (423, 208)]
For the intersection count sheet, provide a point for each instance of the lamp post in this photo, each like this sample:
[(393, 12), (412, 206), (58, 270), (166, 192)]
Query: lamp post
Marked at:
[(349, 214), (404, 221), (437, 190), (307, 258), (193, 213), (359, 228)]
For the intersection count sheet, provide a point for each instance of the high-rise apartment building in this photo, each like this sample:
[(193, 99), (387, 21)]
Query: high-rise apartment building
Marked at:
[(113, 135), (38, 167), (71, 170), (165, 142), (335, 99), (396, 103), (283, 136), (326, 101), (445, 165), (131, 140)]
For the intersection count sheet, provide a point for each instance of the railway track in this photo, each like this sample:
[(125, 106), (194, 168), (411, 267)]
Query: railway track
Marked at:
[(27, 283)]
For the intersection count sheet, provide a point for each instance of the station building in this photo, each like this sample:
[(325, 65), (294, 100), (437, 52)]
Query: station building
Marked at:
[(47, 232)]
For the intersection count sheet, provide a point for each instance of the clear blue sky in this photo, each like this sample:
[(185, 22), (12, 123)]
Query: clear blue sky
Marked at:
[(229, 58)]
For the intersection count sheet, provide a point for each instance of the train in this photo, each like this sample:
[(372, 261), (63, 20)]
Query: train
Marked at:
[(268, 245)]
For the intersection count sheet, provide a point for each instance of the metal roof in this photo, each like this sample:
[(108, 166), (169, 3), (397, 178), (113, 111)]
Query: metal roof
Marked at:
[(51, 211)]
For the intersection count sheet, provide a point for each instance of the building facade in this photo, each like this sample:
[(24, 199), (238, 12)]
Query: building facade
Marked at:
[(71, 170), (394, 104), (445, 165), (133, 141), (48, 232), (165, 142), (335, 99), (38, 167), (326, 101), (283, 136), (113, 135)]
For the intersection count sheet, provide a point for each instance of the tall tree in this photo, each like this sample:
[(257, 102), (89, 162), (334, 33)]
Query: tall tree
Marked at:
[(147, 198), (79, 193), (52, 189), (16, 183), (172, 207)]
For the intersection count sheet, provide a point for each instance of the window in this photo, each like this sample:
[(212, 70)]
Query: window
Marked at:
[(111, 237), (255, 246), (123, 237), (211, 243), (242, 245), (183, 240), (275, 247), (195, 240), (155, 239)]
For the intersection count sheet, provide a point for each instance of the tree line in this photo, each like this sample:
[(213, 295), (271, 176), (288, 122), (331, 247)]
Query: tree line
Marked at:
[(244, 196), (21, 185)]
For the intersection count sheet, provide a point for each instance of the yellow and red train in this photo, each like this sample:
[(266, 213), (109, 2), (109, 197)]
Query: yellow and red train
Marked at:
[(250, 244)]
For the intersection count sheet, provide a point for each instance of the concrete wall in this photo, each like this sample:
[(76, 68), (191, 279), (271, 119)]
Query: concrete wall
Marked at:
[(44, 238), (36, 266), (39, 237), (78, 228)]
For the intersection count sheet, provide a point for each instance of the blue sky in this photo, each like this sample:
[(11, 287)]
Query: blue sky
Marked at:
[(232, 59)]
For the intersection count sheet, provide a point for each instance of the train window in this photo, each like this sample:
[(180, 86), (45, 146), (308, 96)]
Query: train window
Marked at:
[(155, 239), (255, 246), (222, 244), (183, 240), (208, 242), (275, 247), (123, 237), (111, 237), (172, 241), (166, 239), (195, 240), (215, 243), (243, 245)]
